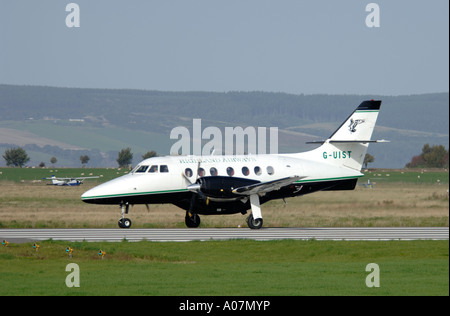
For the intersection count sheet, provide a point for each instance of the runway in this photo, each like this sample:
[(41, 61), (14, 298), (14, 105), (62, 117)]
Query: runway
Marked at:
[(204, 234)]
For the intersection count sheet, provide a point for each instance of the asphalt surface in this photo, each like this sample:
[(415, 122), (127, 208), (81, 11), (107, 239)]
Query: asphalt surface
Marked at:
[(114, 235)]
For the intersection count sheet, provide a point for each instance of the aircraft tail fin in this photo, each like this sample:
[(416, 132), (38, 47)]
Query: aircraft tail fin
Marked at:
[(54, 181), (360, 124), (347, 146)]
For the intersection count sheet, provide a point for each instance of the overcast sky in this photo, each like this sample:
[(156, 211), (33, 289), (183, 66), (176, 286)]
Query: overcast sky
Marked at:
[(293, 46)]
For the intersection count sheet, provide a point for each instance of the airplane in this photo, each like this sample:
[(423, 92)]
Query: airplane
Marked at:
[(230, 184), (67, 181)]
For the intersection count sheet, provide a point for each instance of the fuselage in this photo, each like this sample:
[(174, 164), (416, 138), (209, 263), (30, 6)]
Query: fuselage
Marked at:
[(165, 179)]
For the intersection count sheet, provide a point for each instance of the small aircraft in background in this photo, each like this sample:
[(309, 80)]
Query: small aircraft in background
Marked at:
[(68, 181)]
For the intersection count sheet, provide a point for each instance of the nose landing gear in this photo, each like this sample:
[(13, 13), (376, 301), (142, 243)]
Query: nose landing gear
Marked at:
[(124, 222)]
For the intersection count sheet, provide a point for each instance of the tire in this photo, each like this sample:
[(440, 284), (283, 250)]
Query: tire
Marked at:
[(124, 223), (254, 223), (192, 221)]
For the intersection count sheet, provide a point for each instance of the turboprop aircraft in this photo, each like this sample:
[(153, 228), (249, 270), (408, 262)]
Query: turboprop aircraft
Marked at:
[(216, 185), (67, 181)]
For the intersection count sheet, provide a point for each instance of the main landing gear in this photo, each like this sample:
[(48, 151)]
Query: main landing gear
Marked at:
[(254, 223), (192, 220), (124, 222)]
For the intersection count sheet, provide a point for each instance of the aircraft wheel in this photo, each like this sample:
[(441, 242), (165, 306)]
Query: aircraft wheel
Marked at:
[(124, 223), (254, 223), (192, 221)]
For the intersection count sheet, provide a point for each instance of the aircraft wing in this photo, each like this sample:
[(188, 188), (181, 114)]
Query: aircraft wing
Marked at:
[(266, 186), (62, 179), (82, 178)]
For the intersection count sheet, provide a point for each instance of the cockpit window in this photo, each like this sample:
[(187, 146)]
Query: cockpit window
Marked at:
[(141, 169), (164, 168), (153, 169)]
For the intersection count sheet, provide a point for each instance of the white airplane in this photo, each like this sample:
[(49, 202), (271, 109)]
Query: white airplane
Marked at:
[(216, 185), (67, 181)]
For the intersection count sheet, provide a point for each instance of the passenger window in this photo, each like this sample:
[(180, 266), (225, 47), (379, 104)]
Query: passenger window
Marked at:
[(230, 171), (142, 169), (153, 169), (164, 168), (188, 172), (201, 172), (213, 171), (245, 171), (270, 170), (258, 171)]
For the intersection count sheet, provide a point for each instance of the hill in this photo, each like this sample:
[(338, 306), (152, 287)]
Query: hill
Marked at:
[(69, 122)]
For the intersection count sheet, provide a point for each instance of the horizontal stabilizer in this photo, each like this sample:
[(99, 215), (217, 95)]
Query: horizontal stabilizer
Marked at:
[(350, 141)]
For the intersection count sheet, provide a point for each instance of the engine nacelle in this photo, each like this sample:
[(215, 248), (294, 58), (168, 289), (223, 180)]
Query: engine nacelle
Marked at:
[(222, 187)]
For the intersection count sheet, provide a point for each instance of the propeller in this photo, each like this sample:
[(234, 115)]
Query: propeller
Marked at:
[(194, 187)]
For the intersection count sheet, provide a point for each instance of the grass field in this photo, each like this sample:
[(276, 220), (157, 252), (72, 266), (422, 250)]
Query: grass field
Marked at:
[(231, 268), (399, 198)]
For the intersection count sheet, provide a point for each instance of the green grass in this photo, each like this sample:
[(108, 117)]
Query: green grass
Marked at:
[(230, 268), (32, 174)]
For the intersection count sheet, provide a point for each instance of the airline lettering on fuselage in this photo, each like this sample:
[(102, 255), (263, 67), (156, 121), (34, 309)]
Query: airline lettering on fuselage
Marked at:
[(216, 159), (345, 154)]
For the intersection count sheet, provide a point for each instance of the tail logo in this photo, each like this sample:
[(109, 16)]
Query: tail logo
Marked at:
[(353, 124)]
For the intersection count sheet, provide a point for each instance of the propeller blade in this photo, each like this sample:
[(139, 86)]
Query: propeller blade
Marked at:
[(198, 169), (186, 178)]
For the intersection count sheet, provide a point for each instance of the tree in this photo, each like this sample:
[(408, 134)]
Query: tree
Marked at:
[(435, 156), (125, 157), (84, 159), (368, 158), (149, 154), (16, 157), (53, 160)]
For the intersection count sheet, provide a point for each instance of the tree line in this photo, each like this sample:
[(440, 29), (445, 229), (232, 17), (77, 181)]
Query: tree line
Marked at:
[(435, 156), (18, 157)]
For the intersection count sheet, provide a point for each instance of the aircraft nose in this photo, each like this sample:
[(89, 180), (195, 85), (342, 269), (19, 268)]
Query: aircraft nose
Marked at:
[(89, 195), (86, 194), (110, 192), (98, 194)]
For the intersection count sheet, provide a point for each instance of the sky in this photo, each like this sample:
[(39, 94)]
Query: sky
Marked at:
[(291, 46)]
